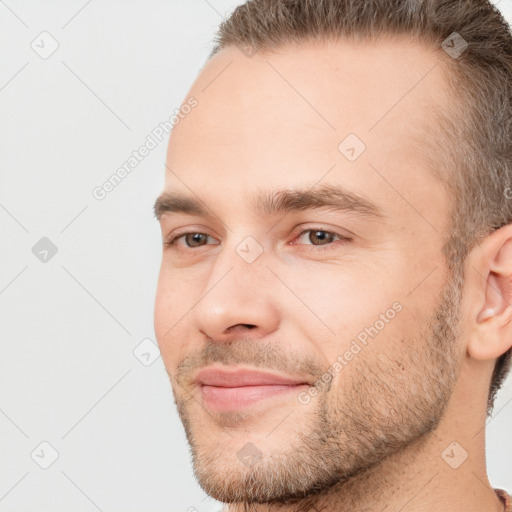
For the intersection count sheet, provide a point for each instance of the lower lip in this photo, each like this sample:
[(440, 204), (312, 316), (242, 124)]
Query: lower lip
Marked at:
[(225, 399)]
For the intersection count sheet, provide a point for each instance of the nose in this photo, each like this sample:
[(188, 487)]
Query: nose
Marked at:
[(237, 298)]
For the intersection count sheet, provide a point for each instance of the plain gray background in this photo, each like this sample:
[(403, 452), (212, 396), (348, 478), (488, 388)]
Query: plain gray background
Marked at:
[(72, 320)]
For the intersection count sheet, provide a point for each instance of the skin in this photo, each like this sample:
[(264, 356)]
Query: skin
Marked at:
[(379, 435)]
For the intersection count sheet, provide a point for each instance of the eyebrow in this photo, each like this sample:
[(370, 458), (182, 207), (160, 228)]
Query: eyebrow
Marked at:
[(278, 201)]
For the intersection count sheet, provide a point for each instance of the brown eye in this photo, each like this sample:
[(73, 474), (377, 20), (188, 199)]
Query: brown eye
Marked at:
[(195, 239), (191, 240), (323, 237), (318, 237)]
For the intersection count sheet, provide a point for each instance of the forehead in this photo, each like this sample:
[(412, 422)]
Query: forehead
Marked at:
[(279, 118)]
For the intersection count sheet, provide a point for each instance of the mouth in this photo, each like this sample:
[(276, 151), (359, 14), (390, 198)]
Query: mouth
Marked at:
[(223, 390)]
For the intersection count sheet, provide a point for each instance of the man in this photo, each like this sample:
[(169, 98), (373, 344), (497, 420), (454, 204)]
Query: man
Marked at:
[(334, 301)]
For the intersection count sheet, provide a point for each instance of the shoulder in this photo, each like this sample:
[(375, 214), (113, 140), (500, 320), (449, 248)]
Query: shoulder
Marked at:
[(506, 498)]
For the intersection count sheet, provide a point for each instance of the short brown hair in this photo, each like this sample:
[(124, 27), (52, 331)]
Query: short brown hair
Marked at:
[(474, 137)]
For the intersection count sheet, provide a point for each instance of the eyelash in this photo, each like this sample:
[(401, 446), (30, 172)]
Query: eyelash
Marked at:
[(171, 241)]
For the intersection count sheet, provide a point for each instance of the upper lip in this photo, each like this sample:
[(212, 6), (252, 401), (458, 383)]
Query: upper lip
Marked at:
[(243, 377)]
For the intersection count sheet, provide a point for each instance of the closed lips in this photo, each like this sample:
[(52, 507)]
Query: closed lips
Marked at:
[(242, 378)]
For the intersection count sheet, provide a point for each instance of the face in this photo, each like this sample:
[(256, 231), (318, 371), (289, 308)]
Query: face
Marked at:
[(311, 257)]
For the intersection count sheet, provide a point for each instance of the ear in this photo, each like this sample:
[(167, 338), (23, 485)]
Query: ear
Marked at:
[(490, 264)]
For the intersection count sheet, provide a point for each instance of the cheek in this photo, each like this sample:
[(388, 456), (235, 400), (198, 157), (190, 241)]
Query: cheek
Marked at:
[(162, 309), (170, 317), (173, 294), (376, 362), (348, 299)]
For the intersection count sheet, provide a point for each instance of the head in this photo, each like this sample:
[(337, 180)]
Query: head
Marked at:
[(337, 209)]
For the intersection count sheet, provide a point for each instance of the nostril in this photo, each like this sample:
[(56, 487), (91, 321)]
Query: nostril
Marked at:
[(240, 327)]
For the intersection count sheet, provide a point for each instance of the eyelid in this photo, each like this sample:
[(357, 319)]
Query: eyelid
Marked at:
[(344, 234), (173, 238), (176, 233), (340, 237)]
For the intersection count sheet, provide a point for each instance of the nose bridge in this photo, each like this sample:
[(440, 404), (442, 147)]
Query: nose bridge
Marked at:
[(236, 291), (243, 260)]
